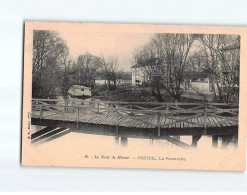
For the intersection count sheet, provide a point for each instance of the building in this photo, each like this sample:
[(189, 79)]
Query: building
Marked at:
[(140, 70), (204, 86), (124, 78), (124, 82), (196, 81), (100, 81)]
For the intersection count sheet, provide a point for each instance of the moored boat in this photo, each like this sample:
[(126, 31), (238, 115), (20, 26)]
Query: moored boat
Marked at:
[(79, 91)]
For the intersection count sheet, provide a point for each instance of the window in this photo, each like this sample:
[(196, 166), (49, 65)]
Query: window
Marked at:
[(82, 89)]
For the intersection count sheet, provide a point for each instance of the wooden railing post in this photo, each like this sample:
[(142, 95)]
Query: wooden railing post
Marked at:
[(159, 123), (41, 112), (117, 122), (66, 104), (98, 108), (77, 120), (110, 109)]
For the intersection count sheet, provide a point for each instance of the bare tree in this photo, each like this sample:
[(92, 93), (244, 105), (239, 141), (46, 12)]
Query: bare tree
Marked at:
[(216, 56), (222, 65), (48, 48), (172, 53), (65, 74), (85, 69), (110, 68), (174, 49)]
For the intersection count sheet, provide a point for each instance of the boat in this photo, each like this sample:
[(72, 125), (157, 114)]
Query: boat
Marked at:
[(79, 91)]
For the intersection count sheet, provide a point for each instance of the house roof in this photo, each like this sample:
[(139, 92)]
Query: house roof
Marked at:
[(80, 87), (148, 62)]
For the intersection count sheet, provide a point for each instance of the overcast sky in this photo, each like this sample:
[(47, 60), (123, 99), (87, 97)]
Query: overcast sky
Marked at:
[(106, 43)]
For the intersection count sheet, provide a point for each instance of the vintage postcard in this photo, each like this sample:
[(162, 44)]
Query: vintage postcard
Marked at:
[(134, 96)]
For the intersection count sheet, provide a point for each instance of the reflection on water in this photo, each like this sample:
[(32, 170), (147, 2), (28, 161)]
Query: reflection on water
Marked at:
[(35, 128), (123, 141), (129, 143)]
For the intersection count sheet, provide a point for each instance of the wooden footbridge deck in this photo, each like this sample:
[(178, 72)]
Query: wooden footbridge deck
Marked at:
[(141, 119)]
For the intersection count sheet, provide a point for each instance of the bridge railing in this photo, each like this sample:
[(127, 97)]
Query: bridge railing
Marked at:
[(143, 111), (137, 105)]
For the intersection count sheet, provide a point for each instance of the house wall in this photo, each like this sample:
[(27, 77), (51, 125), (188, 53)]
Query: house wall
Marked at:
[(137, 74), (202, 86), (122, 82), (100, 82), (103, 82), (126, 81)]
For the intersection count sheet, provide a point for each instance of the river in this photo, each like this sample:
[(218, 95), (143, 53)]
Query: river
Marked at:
[(128, 143)]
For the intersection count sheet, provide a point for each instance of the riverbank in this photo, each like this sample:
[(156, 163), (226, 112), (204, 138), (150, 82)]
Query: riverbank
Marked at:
[(131, 94), (123, 93)]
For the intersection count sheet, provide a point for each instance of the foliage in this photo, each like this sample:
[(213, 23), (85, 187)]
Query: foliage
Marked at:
[(48, 52), (84, 70)]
